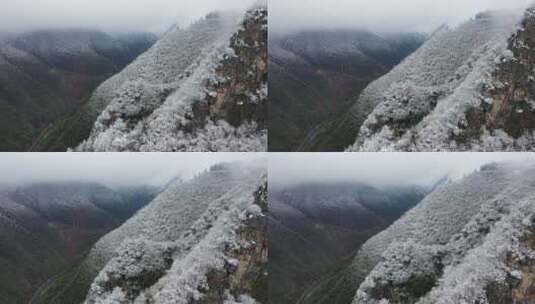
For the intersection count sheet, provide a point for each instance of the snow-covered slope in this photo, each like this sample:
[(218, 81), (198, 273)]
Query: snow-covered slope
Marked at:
[(201, 240), (469, 241), (203, 88), (467, 88)]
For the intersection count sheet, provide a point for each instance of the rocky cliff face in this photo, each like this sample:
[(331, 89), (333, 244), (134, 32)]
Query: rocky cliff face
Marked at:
[(247, 279), (242, 97), (469, 241), (202, 241), (506, 110), (467, 88), (199, 89)]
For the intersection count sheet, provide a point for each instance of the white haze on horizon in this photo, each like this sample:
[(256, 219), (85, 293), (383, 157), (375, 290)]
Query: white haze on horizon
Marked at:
[(390, 16), (380, 169), (110, 169), (108, 15)]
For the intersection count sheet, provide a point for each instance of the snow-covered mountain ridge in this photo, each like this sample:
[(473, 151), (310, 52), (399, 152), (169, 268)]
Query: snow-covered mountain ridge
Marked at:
[(470, 241), (466, 88), (200, 241), (203, 88)]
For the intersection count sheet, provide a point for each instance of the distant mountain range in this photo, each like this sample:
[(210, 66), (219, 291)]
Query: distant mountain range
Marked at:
[(47, 76), (44, 228), (315, 229), (314, 76)]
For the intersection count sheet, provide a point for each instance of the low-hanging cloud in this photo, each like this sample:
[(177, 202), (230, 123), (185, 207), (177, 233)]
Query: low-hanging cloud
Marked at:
[(378, 15), (379, 169), (112, 169), (107, 15)]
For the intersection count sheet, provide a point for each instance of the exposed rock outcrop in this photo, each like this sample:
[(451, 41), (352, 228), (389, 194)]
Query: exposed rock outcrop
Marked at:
[(508, 103)]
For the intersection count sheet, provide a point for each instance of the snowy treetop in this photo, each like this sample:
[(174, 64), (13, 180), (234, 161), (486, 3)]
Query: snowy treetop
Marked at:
[(180, 236), (461, 233), (422, 102), (149, 105)]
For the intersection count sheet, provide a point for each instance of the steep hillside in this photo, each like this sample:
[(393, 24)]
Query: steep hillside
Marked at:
[(467, 88), (314, 76), (470, 241), (200, 241), (48, 75), (46, 227), (314, 229), (203, 88)]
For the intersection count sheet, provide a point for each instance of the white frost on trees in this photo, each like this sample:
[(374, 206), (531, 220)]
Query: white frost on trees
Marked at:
[(459, 240), (421, 102), (150, 102), (243, 299), (163, 253)]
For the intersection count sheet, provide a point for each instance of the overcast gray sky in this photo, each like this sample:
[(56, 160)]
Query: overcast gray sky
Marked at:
[(379, 168), (108, 15), (113, 169), (377, 15), (284, 168)]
